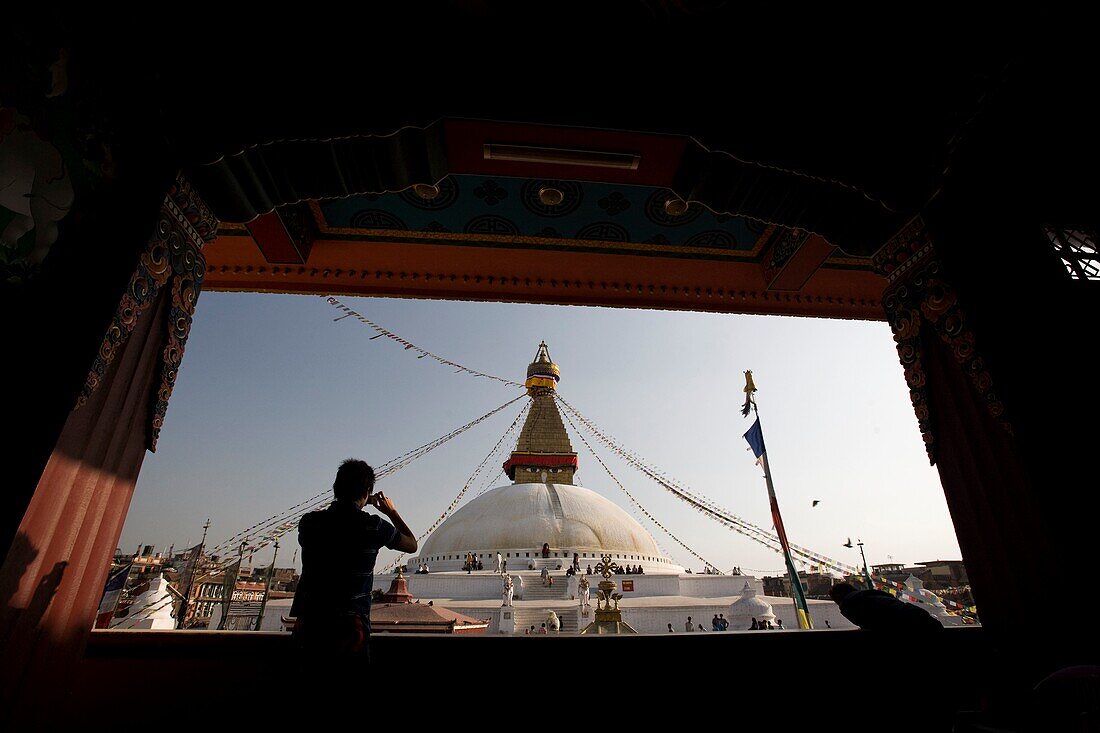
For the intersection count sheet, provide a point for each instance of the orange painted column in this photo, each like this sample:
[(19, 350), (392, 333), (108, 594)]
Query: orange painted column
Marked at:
[(54, 573), (70, 530)]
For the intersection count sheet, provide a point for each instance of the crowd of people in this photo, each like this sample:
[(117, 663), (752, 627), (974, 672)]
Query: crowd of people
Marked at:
[(721, 623), (472, 563), (765, 625), (689, 627)]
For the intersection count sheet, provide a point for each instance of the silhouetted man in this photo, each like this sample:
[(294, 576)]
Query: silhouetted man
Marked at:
[(873, 610), (339, 547)]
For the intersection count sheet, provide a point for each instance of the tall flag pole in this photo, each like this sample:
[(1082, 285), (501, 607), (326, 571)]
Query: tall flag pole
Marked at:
[(230, 585), (187, 578), (267, 587), (755, 438)]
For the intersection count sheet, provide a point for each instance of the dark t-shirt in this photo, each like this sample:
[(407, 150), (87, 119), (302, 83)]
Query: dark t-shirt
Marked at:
[(873, 610), (339, 547)]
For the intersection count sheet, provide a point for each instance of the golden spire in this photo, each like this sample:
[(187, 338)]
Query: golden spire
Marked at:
[(543, 374), (750, 390), (543, 453)]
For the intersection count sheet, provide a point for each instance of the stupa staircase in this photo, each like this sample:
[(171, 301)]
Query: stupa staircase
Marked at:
[(534, 590), (528, 617)]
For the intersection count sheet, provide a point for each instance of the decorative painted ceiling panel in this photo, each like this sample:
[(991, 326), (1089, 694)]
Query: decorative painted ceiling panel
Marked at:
[(502, 212)]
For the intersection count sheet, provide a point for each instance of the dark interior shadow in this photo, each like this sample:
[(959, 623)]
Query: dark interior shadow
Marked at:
[(44, 593), (21, 554)]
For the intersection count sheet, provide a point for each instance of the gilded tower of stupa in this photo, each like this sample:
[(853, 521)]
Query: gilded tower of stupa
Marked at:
[(543, 452), (542, 509)]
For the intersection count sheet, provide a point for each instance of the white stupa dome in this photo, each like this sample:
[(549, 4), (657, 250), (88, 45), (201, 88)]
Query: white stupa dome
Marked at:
[(543, 506), (150, 610), (517, 519)]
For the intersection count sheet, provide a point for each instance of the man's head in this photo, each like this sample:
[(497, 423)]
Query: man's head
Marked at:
[(354, 480), (840, 591)]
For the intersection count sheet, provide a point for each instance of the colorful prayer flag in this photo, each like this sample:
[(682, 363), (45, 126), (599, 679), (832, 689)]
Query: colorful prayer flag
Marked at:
[(116, 582), (755, 439)]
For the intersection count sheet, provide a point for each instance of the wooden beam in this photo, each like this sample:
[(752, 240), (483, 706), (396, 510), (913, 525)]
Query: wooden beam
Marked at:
[(395, 269), (275, 240), (792, 257)]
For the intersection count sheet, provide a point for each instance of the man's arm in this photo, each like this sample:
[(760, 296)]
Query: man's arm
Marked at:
[(406, 541)]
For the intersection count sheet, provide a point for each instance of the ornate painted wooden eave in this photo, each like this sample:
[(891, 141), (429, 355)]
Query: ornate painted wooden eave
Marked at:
[(920, 296), (474, 273), (262, 178), (172, 259), (457, 210)]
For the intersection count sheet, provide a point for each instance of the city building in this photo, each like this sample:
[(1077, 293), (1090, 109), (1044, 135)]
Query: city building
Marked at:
[(936, 575), (815, 585)]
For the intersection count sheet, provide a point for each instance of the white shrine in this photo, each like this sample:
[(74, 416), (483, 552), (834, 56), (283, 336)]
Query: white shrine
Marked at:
[(543, 520)]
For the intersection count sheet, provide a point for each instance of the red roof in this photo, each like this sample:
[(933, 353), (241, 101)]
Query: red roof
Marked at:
[(422, 617)]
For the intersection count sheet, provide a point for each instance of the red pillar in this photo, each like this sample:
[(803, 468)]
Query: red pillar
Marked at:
[(59, 560)]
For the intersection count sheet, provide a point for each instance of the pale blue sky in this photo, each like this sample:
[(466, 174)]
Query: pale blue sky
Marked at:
[(273, 394)]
